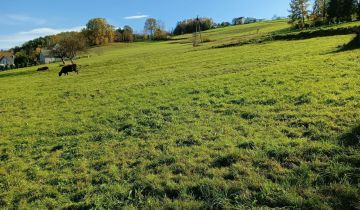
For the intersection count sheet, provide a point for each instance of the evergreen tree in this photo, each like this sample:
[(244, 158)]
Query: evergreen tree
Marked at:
[(348, 9), (341, 10), (333, 10)]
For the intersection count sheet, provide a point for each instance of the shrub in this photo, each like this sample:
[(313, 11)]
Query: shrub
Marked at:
[(160, 35)]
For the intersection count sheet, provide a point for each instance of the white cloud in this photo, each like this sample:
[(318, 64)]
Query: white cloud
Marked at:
[(16, 19), (135, 17), (9, 41)]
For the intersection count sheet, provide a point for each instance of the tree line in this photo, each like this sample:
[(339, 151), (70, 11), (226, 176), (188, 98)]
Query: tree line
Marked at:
[(97, 32), (323, 12), (189, 25)]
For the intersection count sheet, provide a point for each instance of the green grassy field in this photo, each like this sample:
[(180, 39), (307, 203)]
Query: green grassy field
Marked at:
[(167, 126)]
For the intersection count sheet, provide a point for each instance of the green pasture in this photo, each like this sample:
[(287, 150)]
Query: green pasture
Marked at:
[(163, 125)]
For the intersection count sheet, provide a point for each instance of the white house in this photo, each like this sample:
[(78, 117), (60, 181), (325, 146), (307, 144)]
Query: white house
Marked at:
[(7, 60), (46, 58)]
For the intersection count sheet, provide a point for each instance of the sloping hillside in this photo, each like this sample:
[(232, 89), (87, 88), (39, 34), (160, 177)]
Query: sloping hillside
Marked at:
[(237, 33), (165, 125)]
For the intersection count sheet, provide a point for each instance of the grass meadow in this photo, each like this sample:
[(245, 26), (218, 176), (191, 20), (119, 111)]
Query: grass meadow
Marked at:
[(163, 125)]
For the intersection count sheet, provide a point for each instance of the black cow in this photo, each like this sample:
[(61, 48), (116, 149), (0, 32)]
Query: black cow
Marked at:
[(45, 68), (69, 68)]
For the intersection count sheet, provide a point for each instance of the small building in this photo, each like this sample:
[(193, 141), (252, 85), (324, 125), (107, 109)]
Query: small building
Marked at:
[(46, 57), (250, 20), (7, 60), (239, 21)]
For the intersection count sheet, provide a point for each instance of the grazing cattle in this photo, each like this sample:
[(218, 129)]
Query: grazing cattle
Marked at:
[(45, 68), (69, 68)]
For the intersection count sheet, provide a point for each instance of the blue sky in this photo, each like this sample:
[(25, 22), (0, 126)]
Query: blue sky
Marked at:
[(22, 20)]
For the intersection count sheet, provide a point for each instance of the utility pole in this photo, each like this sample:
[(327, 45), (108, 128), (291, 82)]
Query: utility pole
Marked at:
[(197, 35)]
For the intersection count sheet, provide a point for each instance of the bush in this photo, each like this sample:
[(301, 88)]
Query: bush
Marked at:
[(160, 35)]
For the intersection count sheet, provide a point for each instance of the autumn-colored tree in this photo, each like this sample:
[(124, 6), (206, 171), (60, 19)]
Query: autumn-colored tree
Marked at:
[(99, 32), (160, 34)]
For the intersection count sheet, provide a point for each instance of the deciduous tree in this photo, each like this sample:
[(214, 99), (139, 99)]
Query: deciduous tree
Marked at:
[(150, 27), (189, 25), (125, 34), (298, 12), (99, 32), (69, 45), (320, 10)]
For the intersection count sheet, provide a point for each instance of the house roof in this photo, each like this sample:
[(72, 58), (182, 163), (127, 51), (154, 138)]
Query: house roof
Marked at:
[(5, 53), (9, 58)]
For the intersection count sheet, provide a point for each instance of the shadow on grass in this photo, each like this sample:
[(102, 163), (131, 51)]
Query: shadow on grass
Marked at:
[(351, 138), (314, 33), (352, 45), (14, 73)]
